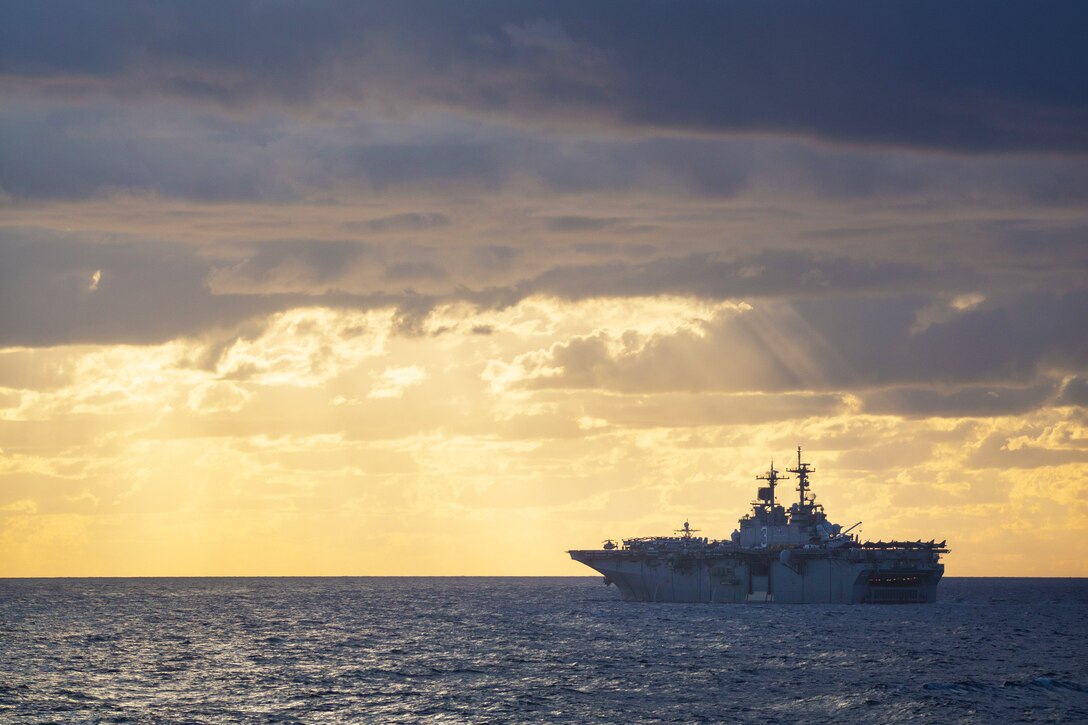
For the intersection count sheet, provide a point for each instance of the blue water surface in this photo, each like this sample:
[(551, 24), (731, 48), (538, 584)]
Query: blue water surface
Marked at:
[(491, 649)]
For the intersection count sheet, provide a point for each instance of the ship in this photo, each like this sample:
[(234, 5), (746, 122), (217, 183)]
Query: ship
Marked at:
[(780, 555)]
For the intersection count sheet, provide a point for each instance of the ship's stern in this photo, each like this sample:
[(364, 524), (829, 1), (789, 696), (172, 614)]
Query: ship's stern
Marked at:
[(899, 586)]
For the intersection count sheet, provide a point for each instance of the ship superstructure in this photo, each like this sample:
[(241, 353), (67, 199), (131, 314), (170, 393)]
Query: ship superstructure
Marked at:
[(776, 554)]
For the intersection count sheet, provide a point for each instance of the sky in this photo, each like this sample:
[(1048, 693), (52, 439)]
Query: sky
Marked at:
[(434, 288)]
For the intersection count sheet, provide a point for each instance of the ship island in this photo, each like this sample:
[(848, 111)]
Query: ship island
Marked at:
[(780, 555)]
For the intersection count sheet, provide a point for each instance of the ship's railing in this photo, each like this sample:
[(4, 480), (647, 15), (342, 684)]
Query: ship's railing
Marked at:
[(936, 547), (669, 543), (845, 548)]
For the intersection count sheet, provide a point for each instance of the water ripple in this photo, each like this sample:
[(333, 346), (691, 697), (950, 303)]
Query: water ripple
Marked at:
[(561, 650)]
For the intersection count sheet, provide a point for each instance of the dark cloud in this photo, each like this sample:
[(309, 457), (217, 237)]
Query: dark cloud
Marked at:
[(1035, 244), (612, 249), (969, 401), (972, 76), (670, 166), (999, 361), (302, 262), (409, 165), (969, 77), (143, 293), (78, 153), (819, 322), (729, 359), (497, 255), (1075, 392), (408, 271), (412, 312), (579, 223), (771, 273), (1005, 342), (407, 222), (168, 148), (57, 290)]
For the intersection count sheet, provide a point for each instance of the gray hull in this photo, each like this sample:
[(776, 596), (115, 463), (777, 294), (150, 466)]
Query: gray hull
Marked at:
[(820, 577)]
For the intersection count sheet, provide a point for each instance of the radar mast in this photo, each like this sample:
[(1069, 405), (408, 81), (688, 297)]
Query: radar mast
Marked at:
[(687, 531), (766, 493), (802, 471)]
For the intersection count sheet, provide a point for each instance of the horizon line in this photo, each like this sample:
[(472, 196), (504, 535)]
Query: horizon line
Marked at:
[(410, 576)]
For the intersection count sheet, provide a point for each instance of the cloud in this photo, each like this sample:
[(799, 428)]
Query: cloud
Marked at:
[(1075, 392), (1011, 341), (73, 152), (766, 274), (579, 223), (993, 362), (325, 415), (156, 292), (865, 312), (1002, 450), (945, 310), (906, 74), (393, 381), (959, 402), (57, 149), (147, 293), (407, 222), (280, 265), (701, 409), (280, 281)]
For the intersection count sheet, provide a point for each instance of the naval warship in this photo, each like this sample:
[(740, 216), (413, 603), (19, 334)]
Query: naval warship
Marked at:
[(793, 555)]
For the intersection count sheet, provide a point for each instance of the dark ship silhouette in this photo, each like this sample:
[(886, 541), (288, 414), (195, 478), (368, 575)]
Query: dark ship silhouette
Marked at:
[(793, 555)]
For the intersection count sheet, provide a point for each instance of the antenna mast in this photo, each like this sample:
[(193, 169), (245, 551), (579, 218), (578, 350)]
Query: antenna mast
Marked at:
[(766, 494), (687, 531), (802, 471)]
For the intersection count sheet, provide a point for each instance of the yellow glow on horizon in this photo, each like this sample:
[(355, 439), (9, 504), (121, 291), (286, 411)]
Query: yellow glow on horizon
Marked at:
[(320, 441)]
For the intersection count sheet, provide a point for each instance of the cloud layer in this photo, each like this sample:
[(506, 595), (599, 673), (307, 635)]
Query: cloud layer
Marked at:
[(972, 77), (372, 284)]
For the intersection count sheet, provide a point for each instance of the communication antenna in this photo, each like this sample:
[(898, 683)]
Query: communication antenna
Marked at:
[(687, 531), (766, 493), (802, 471)]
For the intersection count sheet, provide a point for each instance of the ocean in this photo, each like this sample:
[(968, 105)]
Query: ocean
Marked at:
[(496, 649)]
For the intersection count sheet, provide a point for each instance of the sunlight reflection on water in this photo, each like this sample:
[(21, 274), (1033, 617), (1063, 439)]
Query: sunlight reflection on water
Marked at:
[(562, 649)]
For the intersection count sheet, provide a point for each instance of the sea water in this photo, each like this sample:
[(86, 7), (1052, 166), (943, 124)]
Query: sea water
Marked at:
[(531, 650)]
